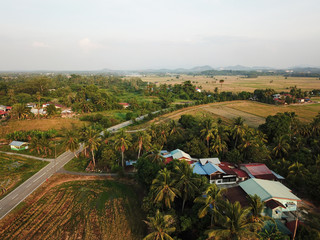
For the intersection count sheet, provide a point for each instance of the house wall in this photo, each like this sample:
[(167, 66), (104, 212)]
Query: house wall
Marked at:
[(18, 148), (289, 207), (275, 213), (230, 179)]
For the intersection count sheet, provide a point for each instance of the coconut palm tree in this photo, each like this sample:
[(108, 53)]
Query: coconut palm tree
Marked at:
[(238, 130), (174, 128), (281, 146), (160, 227), (297, 170), (187, 182), (92, 141), (35, 144), (154, 154), (46, 145), (208, 131), (20, 111), (71, 140), (164, 188), (51, 110), (122, 143), (232, 222), (144, 141), (218, 144), (209, 201), (257, 207)]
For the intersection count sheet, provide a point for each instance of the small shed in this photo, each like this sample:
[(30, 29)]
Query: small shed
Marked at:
[(17, 145)]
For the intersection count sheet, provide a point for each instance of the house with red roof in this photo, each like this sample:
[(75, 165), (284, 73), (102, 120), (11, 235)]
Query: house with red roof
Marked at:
[(124, 105), (3, 114), (260, 171)]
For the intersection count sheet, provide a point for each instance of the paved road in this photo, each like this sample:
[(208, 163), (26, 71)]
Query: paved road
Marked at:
[(127, 123), (24, 190)]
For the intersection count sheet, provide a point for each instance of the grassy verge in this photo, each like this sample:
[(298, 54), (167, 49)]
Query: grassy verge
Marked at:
[(14, 170), (96, 209), (77, 164), (59, 150)]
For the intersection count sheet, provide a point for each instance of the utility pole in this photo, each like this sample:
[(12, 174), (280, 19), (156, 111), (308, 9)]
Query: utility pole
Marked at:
[(55, 155)]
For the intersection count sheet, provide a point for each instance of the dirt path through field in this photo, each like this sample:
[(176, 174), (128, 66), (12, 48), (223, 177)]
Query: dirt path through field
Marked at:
[(230, 113)]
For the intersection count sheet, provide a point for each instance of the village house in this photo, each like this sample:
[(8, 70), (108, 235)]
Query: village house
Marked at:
[(5, 108), (198, 90), (283, 200), (280, 203), (58, 106), (176, 154), (260, 171), (17, 145), (3, 114), (124, 105)]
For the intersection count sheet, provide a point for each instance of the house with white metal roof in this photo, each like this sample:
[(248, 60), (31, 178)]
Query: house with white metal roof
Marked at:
[(17, 145), (277, 197), (179, 154)]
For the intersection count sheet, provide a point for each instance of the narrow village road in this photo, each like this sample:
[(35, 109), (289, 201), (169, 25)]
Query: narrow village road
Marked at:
[(28, 156)]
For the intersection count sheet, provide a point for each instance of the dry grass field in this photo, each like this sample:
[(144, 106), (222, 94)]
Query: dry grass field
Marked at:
[(239, 83), (254, 113), (77, 207), (39, 124)]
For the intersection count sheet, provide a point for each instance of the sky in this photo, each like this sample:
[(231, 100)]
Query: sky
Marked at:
[(144, 34)]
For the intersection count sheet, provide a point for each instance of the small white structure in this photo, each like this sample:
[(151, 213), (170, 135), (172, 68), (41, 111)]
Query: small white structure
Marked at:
[(18, 145), (179, 154), (215, 161)]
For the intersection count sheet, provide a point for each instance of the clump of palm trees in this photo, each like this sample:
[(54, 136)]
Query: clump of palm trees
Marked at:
[(175, 187)]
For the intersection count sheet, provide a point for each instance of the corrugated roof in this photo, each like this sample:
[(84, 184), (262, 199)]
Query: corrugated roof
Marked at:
[(197, 168), (211, 160), (17, 143), (177, 154), (207, 169), (266, 189), (240, 173), (277, 175), (257, 169)]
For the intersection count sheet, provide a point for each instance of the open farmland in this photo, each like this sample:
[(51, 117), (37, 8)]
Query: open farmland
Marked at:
[(239, 83), (254, 113), (38, 124), (14, 170), (66, 209)]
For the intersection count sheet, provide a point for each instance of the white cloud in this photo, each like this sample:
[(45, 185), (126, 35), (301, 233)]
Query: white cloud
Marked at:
[(87, 45), (40, 44)]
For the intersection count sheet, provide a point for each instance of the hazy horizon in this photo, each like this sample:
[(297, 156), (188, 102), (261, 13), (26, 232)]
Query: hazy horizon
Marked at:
[(131, 35)]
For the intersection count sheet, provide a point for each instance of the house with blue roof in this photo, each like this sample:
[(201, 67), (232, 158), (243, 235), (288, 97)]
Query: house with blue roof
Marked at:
[(213, 172)]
